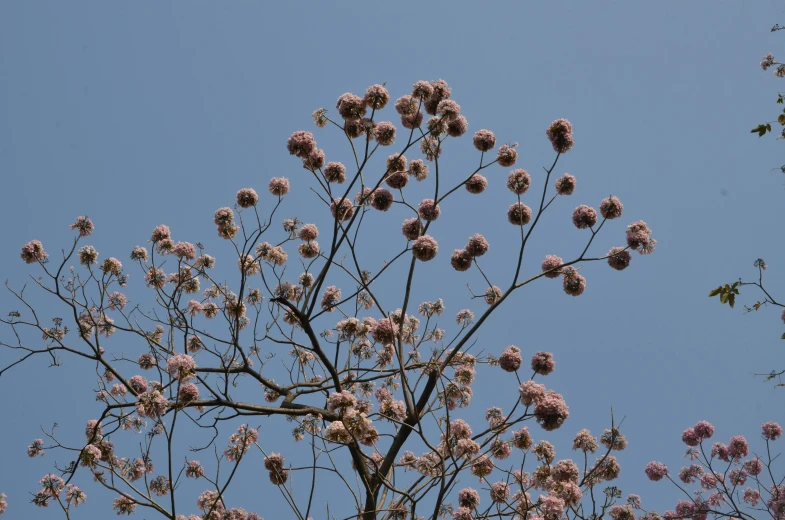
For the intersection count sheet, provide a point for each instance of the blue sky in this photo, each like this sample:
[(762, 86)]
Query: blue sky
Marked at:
[(147, 113)]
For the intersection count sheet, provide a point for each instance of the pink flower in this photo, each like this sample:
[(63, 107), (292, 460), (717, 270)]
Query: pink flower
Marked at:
[(551, 263), (331, 298), (656, 471), (33, 252), (376, 97), (382, 199), (703, 429), (461, 260), (124, 505), (448, 109), (138, 253), (551, 411), (469, 497), (36, 449), (507, 155), (521, 439), (737, 447), (584, 217), (476, 184), (117, 301), (552, 507), (350, 106), (457, 126), (510, 359), (482, 466), (84, 225), (477, 245), (146, 361), (639, 237), (160, 233), (301, 143), (767, 61), (247, 197), (574, 284), (384, 133), (385, 331), (335, 172), (531, 392), (184, 250), (181, 366), (585, 442), (413, 120), (565, 185), (194, 469), (419, 169), (425, 248), (771, 431), (314, 161), (422, 90), (279, 186), (346, 210), (543, 363), (611, 208), (500, 492), (619, 258), (411, 228), (406, 105), (188, 392), (519, 214), (690, 438), (429, 210), (519, 181), (492, 295), (484, 140), (560, 135)]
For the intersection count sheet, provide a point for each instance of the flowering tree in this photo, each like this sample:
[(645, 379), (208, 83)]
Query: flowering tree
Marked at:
[(724, 483), (375, 383)]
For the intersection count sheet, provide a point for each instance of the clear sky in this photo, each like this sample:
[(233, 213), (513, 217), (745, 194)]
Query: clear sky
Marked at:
[(144, 113)]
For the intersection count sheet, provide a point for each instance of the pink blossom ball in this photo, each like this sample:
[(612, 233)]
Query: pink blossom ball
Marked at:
[(507, 155), (461, 260), (382, 199), (565, 185), (429, 210), (484, 140), (584, 217), (411, 228), (519, 181), (476, 184), (510, 359), (574, 284), (425, 248), (457, 126), (552, 262), (335, 172), (619, 258), (519, 214), (477, 245), (543, 363), (344, 212), (384, 133), (247, 197), (611, 208)]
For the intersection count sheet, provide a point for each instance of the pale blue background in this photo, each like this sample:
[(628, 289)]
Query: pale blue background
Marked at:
[(148, 112)]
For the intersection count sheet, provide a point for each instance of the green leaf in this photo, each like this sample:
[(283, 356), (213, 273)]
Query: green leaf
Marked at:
[(724, 298), (781, 119), (783, 336), (715, 292), (731, 299)]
